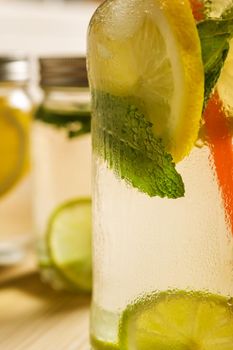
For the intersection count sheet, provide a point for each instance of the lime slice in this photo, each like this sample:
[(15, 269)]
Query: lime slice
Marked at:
[(150, 50), (102, 345), (14, 150), (178, 321), (69, 241)]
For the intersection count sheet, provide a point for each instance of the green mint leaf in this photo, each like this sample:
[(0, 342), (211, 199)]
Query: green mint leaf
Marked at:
[(76, 123), (215, 35), (124, 139)]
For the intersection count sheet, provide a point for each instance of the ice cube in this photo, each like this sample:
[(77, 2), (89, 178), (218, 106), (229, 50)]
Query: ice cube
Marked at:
[(217, 7), (225, 84), (124, 18)]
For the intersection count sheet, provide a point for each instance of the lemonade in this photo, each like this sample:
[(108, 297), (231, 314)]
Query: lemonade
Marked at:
[(161, 77)]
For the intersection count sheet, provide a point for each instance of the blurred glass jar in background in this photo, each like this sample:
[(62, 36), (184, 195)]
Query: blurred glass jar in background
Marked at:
[(15, 195), (62, 174)]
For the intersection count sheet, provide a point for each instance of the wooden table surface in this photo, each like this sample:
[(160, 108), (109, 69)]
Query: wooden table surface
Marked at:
[(34, 317)]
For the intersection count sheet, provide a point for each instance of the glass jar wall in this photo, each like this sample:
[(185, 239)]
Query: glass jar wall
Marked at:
[(62, 167)]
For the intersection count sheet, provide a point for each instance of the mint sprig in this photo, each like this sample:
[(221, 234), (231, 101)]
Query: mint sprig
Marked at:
[(124, 139), (215, 35)]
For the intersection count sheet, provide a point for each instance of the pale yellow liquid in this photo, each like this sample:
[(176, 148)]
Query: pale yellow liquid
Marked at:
[(143, 244)]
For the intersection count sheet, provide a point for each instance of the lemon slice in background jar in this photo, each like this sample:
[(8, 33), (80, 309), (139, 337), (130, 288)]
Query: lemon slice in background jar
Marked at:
[(157, 60), (14, 146), (69, 243)]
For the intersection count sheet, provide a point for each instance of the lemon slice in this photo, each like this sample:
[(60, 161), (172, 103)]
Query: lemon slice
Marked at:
[(178, 321), (14, 150), (69, 242), (225, 83), (151, 50)]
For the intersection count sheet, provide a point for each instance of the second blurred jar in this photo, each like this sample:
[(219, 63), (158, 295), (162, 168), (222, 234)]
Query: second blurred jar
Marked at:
[(15, 184), (62, 172)]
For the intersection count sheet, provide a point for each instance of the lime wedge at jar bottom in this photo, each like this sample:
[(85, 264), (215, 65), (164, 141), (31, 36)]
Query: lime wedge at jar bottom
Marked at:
[(14, 150), (102, 345), (155, 58), (178, 321), (69, 241)]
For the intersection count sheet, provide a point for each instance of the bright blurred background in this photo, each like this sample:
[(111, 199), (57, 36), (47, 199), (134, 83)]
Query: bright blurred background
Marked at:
[(32, 314), (44, 27)]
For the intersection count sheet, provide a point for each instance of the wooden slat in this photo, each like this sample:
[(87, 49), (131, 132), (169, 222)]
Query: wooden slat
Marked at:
[(34, 317)]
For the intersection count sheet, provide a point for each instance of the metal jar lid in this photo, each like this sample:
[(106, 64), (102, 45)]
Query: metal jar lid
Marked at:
[(63, 72), (14, 68)]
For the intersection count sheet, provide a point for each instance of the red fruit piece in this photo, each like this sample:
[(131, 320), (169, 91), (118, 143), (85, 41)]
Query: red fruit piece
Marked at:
[(198, 9), (220, 143)]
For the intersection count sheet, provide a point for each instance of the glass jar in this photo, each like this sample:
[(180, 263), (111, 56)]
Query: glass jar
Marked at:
[(62, 168), (15, 184), (163, 175)]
